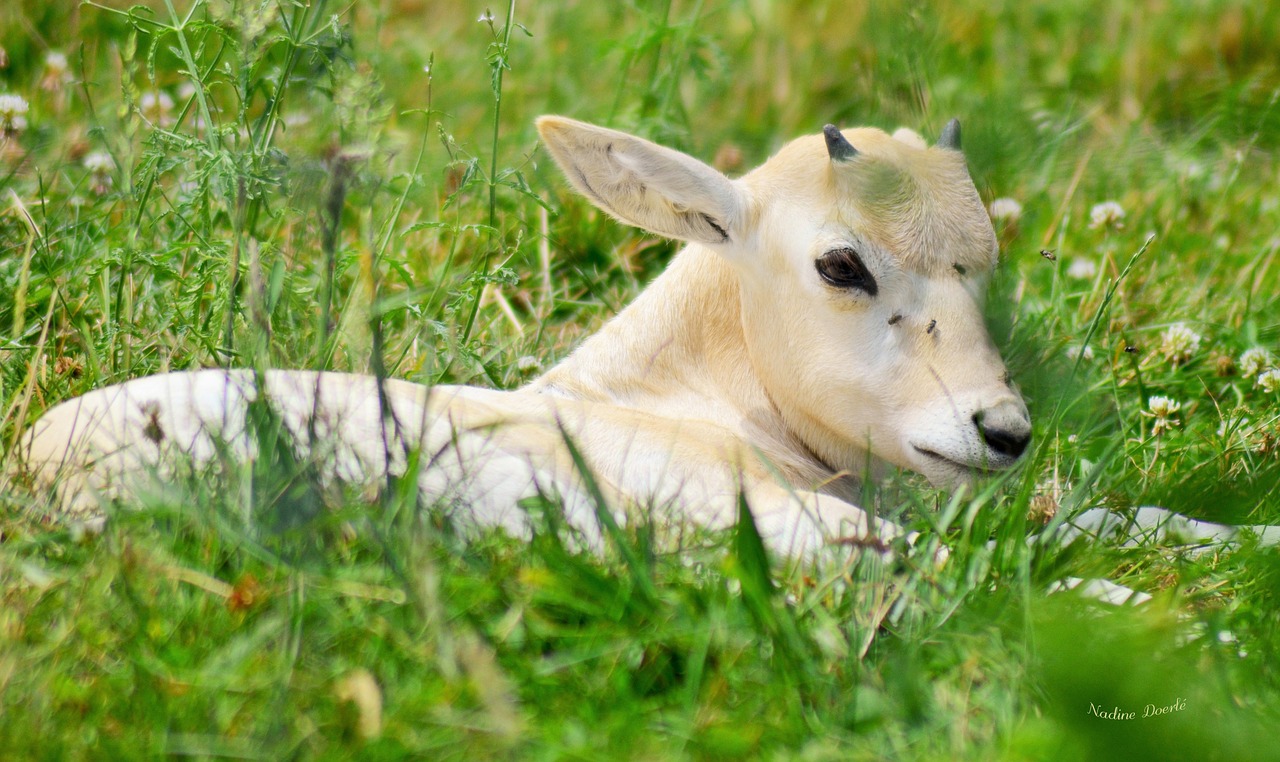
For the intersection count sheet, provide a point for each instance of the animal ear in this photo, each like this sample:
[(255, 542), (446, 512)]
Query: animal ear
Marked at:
[(644, 184)]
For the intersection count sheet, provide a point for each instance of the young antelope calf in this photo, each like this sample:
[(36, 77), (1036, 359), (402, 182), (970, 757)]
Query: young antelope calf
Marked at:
[(825, 316)]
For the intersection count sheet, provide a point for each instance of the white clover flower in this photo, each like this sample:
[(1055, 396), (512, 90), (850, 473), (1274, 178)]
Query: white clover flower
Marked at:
[(56, 73), (155, 101), (1179, 342), (1162, 406), (1162, 409), (56, 62), (1270, 381), (98, 162), (1108, 214), (1082, 268), (528, 364), (1075, 353), (156, 107), (12, 105), (1005, 210), (13, 109), (1042, 509), (1254, 361)]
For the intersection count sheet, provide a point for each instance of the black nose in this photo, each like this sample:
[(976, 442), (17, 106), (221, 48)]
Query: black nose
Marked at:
[(1011, 443)]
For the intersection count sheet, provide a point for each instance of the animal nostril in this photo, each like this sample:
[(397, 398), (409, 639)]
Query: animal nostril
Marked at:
[(1009, 443)]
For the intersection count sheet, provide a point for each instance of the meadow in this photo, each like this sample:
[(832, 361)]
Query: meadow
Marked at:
[(358, 187)]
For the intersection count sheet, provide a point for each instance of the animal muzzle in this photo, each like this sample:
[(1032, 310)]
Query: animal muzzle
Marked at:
[(1005, 429), (952, 447)]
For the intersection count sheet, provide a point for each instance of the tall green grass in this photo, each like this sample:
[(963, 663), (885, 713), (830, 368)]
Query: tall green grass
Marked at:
[(358, 187)]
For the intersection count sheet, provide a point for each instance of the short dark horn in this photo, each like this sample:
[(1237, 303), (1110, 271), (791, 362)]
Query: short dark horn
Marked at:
[(839, 148), (950, 137)]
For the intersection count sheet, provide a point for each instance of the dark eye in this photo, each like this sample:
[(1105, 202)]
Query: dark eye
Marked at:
[(843, 268)]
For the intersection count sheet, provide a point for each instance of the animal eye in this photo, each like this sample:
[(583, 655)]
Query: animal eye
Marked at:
[(843, 268)]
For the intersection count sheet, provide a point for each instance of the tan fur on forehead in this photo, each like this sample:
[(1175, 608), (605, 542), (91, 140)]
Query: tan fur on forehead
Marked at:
[(915, 201)]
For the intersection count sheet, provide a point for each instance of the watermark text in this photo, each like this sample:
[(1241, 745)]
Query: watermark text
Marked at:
[(1150, 710)]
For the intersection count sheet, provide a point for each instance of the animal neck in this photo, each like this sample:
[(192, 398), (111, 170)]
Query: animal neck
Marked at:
[(678, 352), (682, 336)]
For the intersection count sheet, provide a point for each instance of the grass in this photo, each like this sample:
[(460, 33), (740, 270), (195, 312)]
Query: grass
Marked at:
[(358, 187)]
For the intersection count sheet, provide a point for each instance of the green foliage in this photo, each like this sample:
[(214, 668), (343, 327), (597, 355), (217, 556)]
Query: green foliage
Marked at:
[(357, 187)]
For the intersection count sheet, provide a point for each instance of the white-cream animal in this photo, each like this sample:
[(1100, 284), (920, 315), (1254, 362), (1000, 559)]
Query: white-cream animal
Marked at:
[(825, 316)]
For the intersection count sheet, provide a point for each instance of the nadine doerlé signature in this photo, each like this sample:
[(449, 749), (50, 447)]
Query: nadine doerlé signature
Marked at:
[(1150, 710)]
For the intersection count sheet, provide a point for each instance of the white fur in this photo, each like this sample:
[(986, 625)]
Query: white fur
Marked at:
[(738, 369)]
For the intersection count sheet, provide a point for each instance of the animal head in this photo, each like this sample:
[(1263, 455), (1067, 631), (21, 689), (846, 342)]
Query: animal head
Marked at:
[(863, 261)]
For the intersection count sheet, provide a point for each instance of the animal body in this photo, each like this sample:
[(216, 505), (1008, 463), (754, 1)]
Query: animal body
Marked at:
[(824, 319)]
